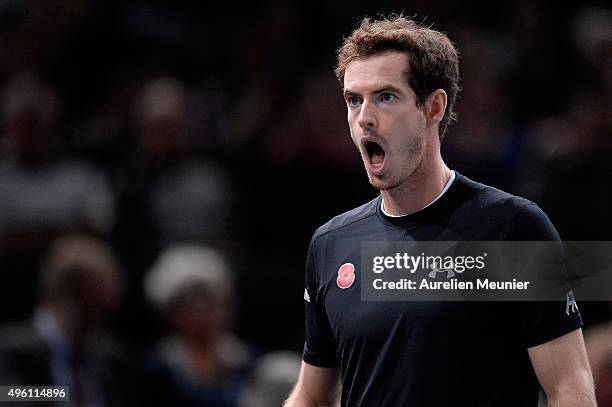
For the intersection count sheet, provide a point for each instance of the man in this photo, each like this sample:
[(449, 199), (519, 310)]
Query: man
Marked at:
[(400, 83), (65, 344)]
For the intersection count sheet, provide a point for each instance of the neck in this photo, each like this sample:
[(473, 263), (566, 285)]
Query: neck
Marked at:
[(419, 189)]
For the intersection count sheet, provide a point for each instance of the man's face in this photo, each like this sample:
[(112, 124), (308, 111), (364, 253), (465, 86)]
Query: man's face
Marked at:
[(386, 124)]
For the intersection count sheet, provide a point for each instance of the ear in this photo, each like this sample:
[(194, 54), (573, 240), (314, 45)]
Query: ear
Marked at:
[(436, 106)]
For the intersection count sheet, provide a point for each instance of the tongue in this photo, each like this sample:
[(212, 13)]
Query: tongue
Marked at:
[(377, 156)]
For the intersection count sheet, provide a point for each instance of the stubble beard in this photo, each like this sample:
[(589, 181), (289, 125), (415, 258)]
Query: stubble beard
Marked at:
[(415, 153)]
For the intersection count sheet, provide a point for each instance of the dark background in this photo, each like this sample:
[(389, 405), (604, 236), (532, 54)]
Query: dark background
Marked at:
[(262, 107)]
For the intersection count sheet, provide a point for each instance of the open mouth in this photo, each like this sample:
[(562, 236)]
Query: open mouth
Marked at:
[(376, 155)]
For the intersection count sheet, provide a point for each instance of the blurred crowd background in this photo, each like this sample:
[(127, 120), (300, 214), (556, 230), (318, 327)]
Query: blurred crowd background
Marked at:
[(163, 166)]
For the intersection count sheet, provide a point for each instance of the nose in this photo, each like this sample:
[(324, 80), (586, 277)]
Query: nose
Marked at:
[(367, 116)]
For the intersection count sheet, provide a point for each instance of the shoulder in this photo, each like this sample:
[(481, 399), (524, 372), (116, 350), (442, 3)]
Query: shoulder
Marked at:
[(348, 220), (523, 219), (490, 201)]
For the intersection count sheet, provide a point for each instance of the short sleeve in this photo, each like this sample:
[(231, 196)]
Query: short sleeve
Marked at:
[(546, 320), (319, 347)]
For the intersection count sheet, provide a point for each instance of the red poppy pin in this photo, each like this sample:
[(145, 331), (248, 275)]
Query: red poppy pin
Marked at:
[(346, 275)]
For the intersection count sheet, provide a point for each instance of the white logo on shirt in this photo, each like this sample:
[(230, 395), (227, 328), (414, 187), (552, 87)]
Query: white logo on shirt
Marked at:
[(306, 296), (570, 303)]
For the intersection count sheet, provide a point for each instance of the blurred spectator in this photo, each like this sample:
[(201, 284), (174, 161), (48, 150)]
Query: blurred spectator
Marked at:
[(170, 194), (64, 343), (273, 378), (188, 196), (42, 192), (200, 363)]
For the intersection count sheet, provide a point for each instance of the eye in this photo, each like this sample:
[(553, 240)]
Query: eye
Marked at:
[(352, 101), (387, 97)]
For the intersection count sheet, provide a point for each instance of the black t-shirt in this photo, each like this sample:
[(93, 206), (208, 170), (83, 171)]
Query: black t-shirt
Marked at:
[(428, 353)]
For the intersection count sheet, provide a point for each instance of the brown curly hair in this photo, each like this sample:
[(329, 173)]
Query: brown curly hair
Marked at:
[(433, 59)]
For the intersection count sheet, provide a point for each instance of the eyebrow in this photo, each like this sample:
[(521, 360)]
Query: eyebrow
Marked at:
[(348, 93), (385, 88)]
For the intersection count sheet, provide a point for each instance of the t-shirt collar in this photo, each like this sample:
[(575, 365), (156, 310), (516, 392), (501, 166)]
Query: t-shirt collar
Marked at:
[(446, 187)]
